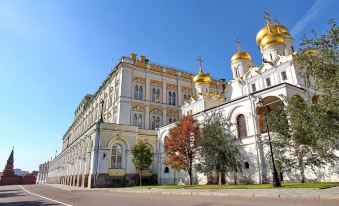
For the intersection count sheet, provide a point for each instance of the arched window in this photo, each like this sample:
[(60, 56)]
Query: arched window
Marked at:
[(140, 121), (141, 92), (135, 119), (170, 98), (166, 170), (116, 156), (173, 98), (157, 97), (246, 165), (153, 94), (153, 122), (157, 122), (241, 126), (136, 92)]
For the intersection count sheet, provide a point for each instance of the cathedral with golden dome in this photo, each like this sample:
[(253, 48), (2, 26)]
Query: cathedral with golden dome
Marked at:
[(253, 90), (142, 101)]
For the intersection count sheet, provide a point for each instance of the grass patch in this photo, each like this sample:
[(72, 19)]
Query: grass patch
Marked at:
[(319, 185)]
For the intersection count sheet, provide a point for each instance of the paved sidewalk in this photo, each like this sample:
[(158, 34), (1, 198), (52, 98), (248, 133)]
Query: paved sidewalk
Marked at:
[(309, 193)]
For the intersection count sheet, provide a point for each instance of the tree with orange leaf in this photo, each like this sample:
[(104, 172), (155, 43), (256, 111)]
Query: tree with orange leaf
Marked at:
[(182, 145)]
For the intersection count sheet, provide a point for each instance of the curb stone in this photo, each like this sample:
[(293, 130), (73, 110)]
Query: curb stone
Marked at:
[(220, 193)]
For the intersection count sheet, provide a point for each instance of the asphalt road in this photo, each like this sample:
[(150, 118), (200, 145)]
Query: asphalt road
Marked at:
[(29, 195)]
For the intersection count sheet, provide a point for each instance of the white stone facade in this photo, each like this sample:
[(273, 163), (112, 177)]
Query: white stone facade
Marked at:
[(275, 78), (141, 101), (135, 99)]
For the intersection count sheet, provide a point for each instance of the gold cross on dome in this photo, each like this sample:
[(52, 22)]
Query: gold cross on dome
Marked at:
[(276, 20), (200, 61), (237, 41), (267, 16)]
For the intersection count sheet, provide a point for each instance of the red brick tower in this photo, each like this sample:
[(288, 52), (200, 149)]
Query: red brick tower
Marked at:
[(8, 177), (9, 171)]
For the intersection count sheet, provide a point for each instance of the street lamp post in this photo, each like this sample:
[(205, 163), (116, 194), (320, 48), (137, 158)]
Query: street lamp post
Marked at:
[(101, 120), (102, 111), (276, 181)]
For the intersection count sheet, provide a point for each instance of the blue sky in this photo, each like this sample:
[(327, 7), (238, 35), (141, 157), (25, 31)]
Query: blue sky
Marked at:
[(52, 53)]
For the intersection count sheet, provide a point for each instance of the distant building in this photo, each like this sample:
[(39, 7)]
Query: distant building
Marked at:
[(20, 172), (42, 173), (8, 176)]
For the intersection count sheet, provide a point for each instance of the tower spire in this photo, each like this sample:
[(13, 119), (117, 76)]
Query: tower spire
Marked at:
[(11, 157)]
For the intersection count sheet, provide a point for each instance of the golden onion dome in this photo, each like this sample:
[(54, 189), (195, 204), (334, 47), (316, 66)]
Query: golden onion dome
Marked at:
[(241, 55), (309, 51), (272, 39), (202, 78), (261, 34), (272, 33), (283, 31)]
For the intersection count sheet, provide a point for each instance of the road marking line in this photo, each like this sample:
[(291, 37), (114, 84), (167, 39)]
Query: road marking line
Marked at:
[(45, 197)]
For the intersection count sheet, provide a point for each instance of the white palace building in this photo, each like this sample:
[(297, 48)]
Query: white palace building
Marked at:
[(141, 101)]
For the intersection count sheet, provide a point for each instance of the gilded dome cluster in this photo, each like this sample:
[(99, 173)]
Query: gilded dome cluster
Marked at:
[(272, 33)]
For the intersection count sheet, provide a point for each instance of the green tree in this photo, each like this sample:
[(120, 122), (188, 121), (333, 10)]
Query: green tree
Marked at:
[(142, 157), (294, 145), (182, 145), (219, 150), (318, 64), (307, 130), (318, 60)]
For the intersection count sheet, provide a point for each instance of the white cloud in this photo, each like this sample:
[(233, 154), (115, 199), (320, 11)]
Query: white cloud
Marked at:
[(309, 16)]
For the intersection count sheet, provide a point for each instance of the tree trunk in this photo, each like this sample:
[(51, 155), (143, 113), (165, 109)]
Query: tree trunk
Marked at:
[(302, 173), (190, 174), (174, 177), (302, 168), (235, 178), (140, 176), (219, 178)]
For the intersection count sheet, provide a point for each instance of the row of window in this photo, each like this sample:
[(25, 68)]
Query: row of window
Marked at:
[(155, 121), (139, 95), (268, 81)]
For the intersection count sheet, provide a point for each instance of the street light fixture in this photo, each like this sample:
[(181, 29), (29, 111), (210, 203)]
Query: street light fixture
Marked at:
[(102, 111), (276, 181)]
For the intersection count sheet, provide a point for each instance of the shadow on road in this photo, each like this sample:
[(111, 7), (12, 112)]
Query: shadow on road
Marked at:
[(10, 194), (27, 203), (9, 190)]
